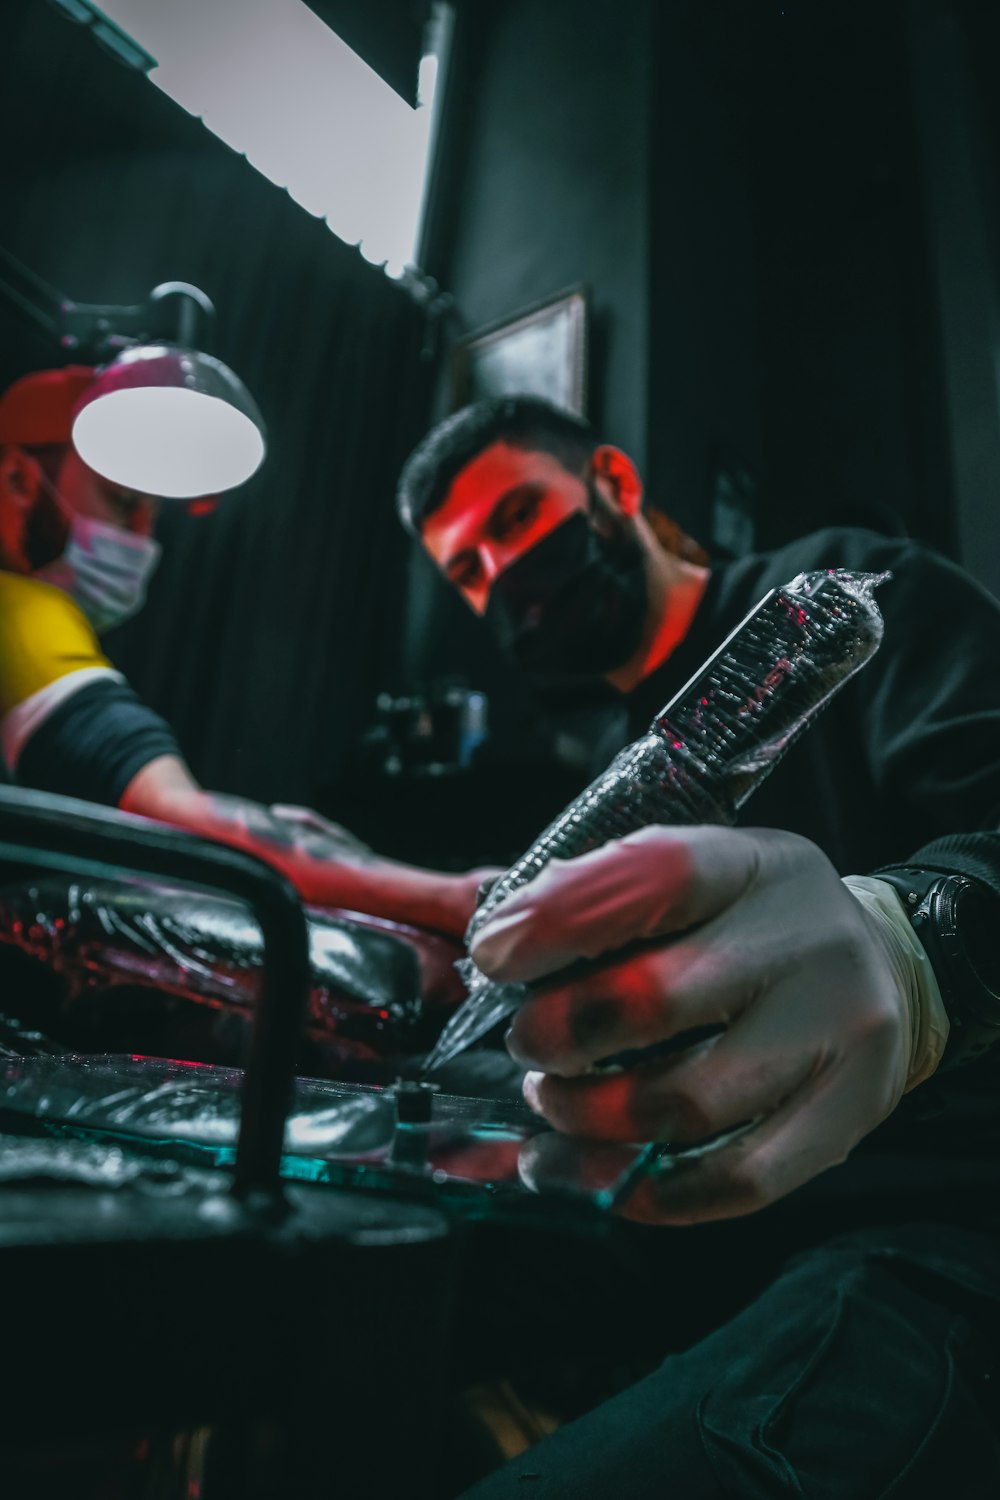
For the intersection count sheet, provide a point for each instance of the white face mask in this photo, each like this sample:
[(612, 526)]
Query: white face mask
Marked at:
[(104, 569)]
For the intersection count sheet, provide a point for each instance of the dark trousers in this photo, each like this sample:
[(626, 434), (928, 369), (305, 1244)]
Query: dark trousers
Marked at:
[(869, 1368)]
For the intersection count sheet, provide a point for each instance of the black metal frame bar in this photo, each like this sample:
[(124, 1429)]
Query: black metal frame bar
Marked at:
[(76, 837)]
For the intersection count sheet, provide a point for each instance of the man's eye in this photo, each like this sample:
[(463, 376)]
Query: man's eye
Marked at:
[(520, 514), (466, 576)]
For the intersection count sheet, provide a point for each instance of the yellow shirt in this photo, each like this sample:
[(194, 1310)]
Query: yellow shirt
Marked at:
[(48, 651)]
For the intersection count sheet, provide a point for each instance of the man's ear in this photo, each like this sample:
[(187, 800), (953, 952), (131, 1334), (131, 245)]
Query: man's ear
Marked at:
[(20, 482), (20, 477), (617, 478)]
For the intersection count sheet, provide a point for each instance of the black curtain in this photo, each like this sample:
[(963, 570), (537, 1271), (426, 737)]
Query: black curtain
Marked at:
[(273, 622)]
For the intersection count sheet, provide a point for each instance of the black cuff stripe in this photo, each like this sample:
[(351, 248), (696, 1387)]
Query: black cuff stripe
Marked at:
[(93, 744)]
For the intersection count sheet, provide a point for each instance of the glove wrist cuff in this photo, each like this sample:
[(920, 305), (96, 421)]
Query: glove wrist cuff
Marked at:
[(914, 973), (958, 921)]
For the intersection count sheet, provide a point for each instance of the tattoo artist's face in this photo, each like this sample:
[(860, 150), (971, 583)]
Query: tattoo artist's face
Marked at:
[(500, 506)]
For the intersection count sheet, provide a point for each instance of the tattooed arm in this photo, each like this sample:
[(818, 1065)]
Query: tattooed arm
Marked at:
[(326, 863)]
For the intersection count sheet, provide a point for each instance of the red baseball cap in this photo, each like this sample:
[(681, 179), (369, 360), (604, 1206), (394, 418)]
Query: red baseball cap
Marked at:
[(38, 410)]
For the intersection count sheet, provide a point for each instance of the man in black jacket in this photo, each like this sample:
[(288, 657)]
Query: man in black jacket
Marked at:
[(841, 953)]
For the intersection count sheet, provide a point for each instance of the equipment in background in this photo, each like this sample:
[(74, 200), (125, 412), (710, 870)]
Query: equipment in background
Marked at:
[(432, 732)]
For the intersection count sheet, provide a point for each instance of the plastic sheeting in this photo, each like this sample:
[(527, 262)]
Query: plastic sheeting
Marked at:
[(364, 1003), (474, 1153)]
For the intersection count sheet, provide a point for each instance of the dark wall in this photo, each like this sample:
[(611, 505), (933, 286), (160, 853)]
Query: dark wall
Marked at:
[(703, 397), (953, 49), (792, 316), (552, 183), (850, 416)]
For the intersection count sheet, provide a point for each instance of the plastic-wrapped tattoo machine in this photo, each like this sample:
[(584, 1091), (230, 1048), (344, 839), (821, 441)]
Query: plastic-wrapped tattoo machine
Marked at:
[(704, 753)]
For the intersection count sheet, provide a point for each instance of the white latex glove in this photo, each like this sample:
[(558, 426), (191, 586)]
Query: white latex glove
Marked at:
[(748, 929)]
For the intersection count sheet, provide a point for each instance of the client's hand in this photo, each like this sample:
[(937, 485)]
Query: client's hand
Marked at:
[(825, 1009)]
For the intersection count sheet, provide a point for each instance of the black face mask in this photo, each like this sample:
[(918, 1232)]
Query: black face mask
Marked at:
[(574, 605)]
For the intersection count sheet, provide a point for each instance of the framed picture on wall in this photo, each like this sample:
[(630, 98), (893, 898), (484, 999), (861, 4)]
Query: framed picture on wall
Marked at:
[(542, 351)]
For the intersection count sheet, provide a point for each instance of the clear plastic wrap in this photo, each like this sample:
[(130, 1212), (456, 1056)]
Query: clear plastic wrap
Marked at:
[(34, 1160), (704, 753), (100, 937), (473, 1154)]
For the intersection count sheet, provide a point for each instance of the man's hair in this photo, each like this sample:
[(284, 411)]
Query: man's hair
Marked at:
[(521, 421)]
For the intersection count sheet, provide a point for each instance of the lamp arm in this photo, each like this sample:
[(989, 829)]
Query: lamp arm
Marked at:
[(33, 297), (194, 311), (174, 310)]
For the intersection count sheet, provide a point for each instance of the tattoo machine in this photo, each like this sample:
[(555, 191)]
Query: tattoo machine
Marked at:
[(704, 753)]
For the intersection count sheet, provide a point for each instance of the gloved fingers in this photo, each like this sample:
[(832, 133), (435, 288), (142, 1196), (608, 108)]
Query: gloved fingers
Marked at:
[(550, 1162), (650, 996), (684, 1101), (656, 881), (487, 877), (815, 1054), (815, 1128), (781, 1029)]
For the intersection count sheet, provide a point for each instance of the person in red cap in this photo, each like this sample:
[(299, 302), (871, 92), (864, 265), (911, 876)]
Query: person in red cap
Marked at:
[(76, 554), (55, 507)]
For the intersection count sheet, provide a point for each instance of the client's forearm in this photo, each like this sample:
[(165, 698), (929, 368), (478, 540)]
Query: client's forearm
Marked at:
[(326, 864)]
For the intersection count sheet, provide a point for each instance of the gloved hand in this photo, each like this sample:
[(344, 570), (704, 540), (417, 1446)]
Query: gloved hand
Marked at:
[(829, 1008)]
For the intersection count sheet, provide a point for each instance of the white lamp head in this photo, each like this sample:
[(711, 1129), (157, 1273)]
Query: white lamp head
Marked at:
[(170, 421)]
